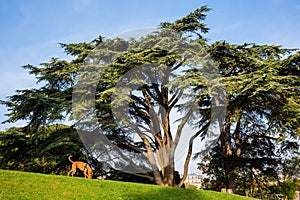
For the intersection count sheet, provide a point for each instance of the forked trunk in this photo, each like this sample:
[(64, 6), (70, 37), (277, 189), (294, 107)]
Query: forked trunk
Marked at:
[(165, 177)]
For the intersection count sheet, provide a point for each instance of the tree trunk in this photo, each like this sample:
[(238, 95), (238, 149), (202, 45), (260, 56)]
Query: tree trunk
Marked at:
[(231, 180), (149, 154), (168, 178), (229, 173)]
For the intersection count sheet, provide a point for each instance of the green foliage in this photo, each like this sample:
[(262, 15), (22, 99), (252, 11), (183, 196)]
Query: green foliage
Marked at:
[(40, 186), (288, 188), (45, 151), (50, 103), (262, 115), (190, 23)]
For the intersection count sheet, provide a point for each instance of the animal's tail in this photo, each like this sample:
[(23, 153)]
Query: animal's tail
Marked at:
[(70, 159)]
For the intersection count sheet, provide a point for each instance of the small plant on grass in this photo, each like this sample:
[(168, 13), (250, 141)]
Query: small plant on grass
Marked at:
[(288, 188)]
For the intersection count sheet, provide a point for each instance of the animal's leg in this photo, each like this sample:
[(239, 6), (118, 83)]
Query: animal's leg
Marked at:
[(69, 173), (85, 173), (72, 171)]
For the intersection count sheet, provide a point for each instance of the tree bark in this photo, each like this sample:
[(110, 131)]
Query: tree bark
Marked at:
[(189, 154), (149, 154)]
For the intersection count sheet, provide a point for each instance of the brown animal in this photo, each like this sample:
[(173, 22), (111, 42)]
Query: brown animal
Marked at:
[(87, 170)]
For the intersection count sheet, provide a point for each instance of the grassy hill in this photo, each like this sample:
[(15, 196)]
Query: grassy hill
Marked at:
[(21, 185)]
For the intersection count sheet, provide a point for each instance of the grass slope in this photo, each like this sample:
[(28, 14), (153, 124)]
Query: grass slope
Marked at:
[(21, 185)]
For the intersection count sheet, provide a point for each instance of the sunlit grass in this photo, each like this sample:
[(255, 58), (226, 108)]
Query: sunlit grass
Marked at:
[(21, 185)]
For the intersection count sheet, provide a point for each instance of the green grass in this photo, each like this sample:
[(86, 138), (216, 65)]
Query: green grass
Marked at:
[(21, 185)]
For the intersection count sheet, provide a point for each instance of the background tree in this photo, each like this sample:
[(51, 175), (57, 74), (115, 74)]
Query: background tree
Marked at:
[(44, 151), (262, 111), (38, 145)]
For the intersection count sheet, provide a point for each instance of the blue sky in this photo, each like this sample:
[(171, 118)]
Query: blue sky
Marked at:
[(31, 29)]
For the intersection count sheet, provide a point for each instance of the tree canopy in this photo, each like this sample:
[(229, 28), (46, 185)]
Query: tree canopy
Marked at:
[(262, 115)]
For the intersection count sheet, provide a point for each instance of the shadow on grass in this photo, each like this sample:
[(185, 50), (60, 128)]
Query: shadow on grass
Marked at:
[(164, 193), (169, 193)]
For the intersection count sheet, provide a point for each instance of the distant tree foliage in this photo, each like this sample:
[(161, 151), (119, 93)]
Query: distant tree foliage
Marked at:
[(43, 151)]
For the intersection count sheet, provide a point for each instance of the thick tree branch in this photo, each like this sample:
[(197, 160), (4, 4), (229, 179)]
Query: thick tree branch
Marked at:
[(189, 154), (180, 127), (155, 118), (175, 98), (237, 136)]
